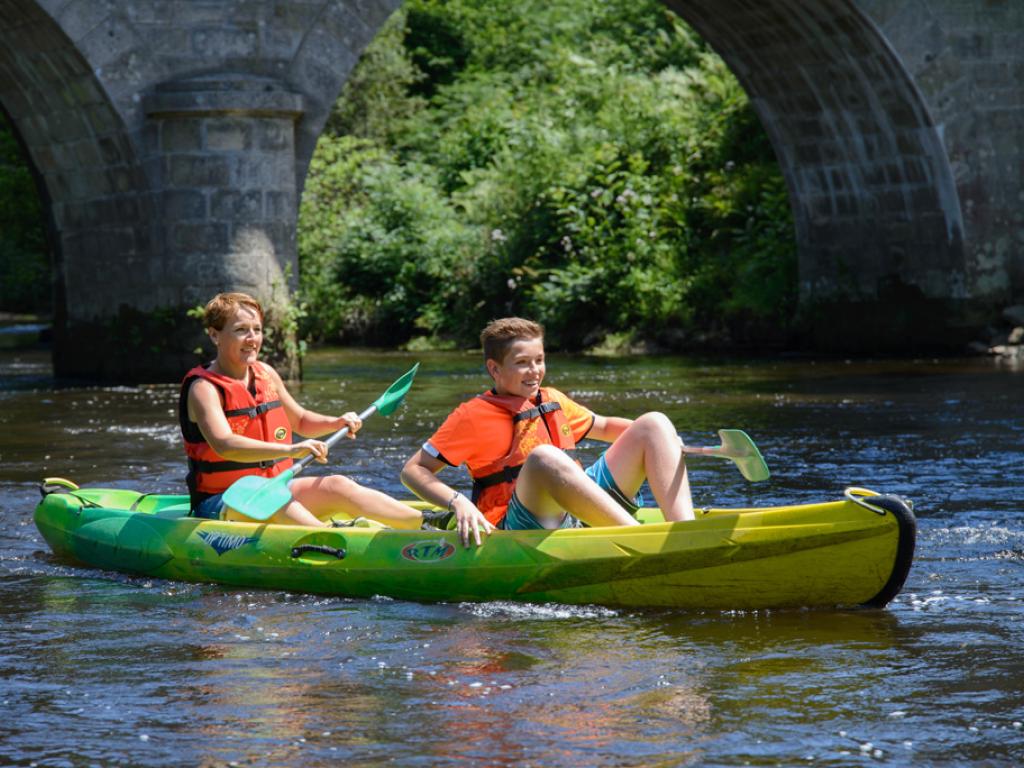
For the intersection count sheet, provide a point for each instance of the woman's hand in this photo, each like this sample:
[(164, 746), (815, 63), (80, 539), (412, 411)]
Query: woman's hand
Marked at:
[(352, 421), (470, 520), (316, 447)]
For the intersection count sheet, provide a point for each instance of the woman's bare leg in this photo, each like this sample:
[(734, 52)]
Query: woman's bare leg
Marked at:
[(292, 513), (323, 496)]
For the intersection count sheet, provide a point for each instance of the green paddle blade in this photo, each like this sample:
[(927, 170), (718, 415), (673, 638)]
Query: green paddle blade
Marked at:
[(737, 446), (391, 399), (258, 497)]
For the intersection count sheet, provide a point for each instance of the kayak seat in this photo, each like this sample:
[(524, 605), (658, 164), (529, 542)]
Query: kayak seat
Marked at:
[(174, 511)]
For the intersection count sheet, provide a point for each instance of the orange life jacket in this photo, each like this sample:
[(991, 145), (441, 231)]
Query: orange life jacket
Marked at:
[(260, 416), (537, 422)]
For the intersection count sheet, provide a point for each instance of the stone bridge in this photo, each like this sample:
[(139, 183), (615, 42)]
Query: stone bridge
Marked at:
[(171, 139)]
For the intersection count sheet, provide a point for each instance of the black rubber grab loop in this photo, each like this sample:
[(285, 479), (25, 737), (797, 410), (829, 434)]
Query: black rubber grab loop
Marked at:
[(904, 514), (323, 549)]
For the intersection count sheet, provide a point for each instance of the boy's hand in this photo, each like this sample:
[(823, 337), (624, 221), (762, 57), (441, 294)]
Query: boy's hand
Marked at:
[(470, 521)]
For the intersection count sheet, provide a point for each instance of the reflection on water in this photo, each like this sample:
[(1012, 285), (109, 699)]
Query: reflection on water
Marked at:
[(103, 668)]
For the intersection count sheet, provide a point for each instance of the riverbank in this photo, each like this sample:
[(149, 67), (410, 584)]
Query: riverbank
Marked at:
[(20, 331), (1006, 340)]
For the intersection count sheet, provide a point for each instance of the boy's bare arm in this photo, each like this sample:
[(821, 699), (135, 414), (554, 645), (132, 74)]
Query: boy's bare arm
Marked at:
[(608, 428), (419, 475)]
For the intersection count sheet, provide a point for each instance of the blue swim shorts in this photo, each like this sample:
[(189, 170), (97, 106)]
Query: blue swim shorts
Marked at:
[(600, 474), (210, 508), (519, 518)]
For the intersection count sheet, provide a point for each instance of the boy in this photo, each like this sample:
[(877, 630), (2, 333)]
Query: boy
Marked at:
[(513, 440)]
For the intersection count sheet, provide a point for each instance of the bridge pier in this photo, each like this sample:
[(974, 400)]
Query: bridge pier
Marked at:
[(170, 142), (222, 202), (223, 163)]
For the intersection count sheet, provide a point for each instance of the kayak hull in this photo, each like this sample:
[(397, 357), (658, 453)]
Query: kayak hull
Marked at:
[(833, 554)]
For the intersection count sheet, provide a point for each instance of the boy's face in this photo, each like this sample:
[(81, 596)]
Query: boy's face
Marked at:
[(522, 370)]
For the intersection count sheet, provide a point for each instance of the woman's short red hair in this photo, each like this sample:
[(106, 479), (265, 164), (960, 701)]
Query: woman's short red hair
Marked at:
[(224, 305)]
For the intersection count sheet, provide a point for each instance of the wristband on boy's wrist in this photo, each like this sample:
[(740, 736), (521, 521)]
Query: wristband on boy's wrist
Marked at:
[(451, 501)]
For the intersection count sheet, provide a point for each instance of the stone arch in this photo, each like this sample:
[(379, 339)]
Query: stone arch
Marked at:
[(94, 188), (323, 60), (876, 207), (134, 116), (875, 203), (155, 128)]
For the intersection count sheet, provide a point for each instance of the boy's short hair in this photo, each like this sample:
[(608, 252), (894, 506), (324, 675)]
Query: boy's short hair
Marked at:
[(223, 305), (499, 335)]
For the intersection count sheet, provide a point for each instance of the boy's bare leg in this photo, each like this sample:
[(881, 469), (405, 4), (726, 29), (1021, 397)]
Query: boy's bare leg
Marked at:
[(324, 496), (551, 483), (650, 449)]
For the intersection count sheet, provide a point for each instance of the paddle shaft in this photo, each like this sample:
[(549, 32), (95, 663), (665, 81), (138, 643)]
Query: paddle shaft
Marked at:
[(706, 450), (305, 460), (738, 448)]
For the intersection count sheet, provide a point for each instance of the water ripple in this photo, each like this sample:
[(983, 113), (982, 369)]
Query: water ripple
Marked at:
[(107, 669)]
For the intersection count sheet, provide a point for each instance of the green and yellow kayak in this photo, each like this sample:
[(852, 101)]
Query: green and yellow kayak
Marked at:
[(852, 552)]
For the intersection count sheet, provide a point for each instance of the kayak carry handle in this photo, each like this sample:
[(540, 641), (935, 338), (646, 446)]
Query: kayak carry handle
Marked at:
[(323, 549)]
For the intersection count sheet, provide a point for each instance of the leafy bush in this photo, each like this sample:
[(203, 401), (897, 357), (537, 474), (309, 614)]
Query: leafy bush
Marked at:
[(378, 100), (589, 164), (24, 262), (380, 251)]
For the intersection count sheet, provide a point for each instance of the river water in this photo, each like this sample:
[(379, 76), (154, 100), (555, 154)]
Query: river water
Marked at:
[(98, 668)]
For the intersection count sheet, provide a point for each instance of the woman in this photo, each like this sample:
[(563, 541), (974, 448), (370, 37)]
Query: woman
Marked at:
[(237, 419)]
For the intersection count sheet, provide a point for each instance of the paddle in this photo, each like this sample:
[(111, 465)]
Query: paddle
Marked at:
[(259, 497), (740, 449)]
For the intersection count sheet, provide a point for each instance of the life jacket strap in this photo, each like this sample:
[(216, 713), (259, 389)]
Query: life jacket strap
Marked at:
[(252, 413), (198, 465), (504, 475), (546, 407)]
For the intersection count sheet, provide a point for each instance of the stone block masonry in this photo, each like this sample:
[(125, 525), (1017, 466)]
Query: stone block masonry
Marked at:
[(898, 127), (171, 139)]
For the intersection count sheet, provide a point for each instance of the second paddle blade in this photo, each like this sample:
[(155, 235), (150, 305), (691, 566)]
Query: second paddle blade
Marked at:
[(737, 445), (392, 398)]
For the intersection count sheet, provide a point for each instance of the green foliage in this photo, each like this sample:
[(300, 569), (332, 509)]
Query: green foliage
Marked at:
[(589, 164), (283, 315), (613, 257), (435, 45), (382, 255), (379, 97), (24, 262)]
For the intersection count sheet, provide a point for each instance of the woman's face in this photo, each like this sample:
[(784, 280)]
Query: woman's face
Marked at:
[(238, 342)]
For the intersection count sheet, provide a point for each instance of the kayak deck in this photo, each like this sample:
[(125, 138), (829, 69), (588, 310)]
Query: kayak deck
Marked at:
[(831, 554)]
